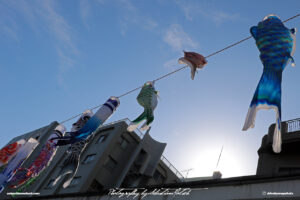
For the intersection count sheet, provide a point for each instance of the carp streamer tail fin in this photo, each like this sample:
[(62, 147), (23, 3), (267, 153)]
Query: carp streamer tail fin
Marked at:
[(135, 123)]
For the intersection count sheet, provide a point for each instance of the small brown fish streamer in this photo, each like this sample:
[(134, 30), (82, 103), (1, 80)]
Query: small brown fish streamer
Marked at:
[(194, 60)]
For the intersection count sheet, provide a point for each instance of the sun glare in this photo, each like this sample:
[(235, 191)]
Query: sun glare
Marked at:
[(206, 163)]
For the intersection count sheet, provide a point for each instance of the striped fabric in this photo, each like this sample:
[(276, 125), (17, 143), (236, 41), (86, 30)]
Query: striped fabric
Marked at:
[(89, 125), (148, 99), (82, 137), (275, 43), (145, 97)]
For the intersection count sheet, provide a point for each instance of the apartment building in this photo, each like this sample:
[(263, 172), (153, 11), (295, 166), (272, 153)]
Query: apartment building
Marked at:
[(113, 158)]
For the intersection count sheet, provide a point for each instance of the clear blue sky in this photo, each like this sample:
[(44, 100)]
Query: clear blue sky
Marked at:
[(58, 58)]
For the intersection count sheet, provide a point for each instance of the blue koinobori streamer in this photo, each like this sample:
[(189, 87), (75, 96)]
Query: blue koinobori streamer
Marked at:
[(276, 44), (81, 137), (103, 113)]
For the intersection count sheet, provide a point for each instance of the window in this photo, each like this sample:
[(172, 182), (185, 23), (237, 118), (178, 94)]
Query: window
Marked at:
[(50, 184), (89, 158), (123, 142), (289, 170), (158, 177), (141, 157), (111, 163), (101, 139), (139, 161), (75, 181), (95, 186)]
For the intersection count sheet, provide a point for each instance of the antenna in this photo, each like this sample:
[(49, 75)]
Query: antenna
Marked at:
[(187, 171), (219, 158)]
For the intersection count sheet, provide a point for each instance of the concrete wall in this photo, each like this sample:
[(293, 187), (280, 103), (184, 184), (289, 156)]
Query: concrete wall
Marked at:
[(41, 135), (288, 189), (96, 169), (285, 162), (118, 146)]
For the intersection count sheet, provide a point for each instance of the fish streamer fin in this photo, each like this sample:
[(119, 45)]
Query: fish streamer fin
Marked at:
[(146, 115), (277, 136), (191, 65), (250, 119), (150, 118), (250, 122), (135, 123)]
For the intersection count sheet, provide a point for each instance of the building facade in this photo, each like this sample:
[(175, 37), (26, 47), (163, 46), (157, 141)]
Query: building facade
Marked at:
[(113, 158), (287, 162), (278, 177)]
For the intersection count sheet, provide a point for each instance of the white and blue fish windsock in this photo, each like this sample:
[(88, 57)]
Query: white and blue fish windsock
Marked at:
[(276, 44), (90, 124), (10, 170), (80, 138), (148, 99)]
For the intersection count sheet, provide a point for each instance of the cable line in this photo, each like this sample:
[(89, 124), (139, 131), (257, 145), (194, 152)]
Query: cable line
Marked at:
[(177, 70)]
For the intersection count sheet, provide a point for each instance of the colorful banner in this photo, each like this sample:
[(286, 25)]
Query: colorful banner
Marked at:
[(9, 151), (41, 162), (8, 173)]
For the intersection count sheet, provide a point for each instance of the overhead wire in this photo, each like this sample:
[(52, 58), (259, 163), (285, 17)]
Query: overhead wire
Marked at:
[(177, 70)]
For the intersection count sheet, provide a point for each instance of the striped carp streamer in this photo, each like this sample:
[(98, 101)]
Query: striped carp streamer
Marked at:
[(276, 44), (88, 122), (148, 99), (82, 133)]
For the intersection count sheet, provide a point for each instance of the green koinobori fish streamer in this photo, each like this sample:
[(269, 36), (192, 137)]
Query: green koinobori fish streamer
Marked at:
[(148, 99)]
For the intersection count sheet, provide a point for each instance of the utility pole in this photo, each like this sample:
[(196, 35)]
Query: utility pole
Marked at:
[(219, 158)]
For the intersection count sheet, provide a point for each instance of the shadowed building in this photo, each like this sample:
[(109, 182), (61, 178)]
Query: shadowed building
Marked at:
[(113, 158), (287, 162), (278, 177), (116, 158)]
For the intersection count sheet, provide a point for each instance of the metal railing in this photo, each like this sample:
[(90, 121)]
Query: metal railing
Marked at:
[(173, 169), (163, 158), (293, 125)]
